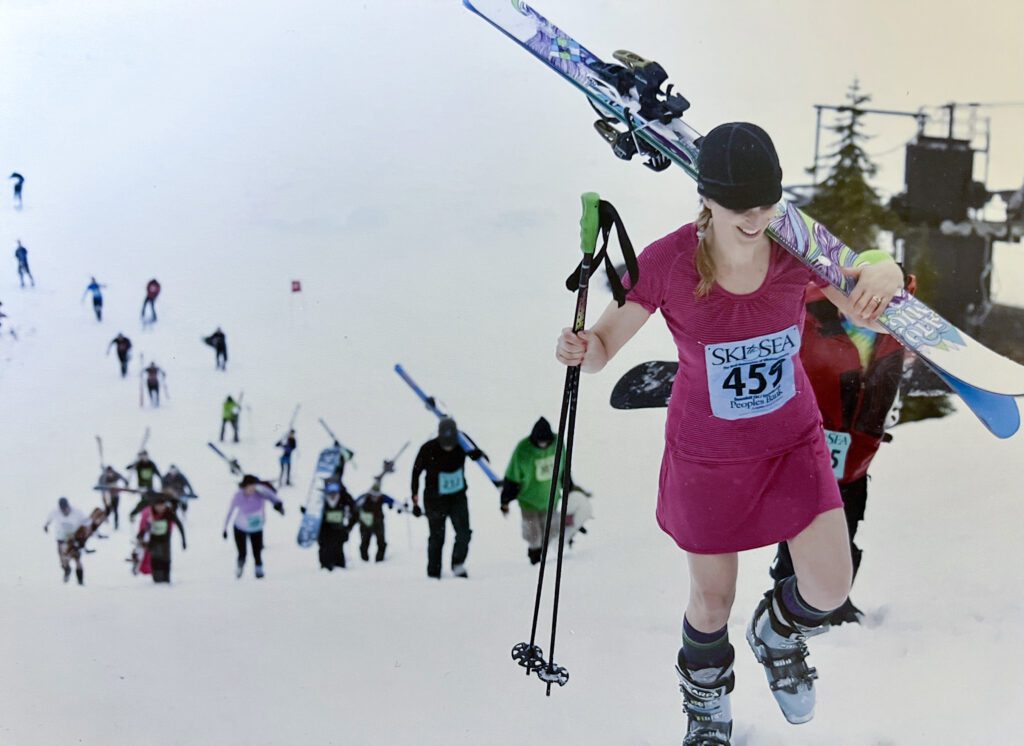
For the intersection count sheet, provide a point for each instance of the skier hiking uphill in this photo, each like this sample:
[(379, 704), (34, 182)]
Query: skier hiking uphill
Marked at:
[(444, 495), (145, 471), (152, 291), (123, 345), (855, 375), (110, 479), (371, 506), (219, 342), (19, 180), (287, 444), (67, 521), (745, 463), (176, 485), (155, 528), (21, 254), (229, 415), (248, 509), (97, 297), (335, 525), (528, 480), (155, 376)]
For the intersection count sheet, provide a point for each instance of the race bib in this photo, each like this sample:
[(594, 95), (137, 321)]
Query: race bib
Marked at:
[(450, 482), (333, 516), (838, 447), (254, 522), (158, 528), (544, 468), (366, 518), (752, 377)]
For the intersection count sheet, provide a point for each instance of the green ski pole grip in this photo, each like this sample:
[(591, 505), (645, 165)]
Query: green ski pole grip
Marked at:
[(589, 222)]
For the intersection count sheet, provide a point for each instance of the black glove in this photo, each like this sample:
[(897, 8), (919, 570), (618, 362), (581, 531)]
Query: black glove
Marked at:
[(416, 511), (279, 507), (476, 454), (509, 492), (302, 509), (225, 534)]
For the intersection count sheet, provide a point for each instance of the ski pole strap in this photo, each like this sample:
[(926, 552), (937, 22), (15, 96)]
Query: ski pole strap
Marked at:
[(608, 217)]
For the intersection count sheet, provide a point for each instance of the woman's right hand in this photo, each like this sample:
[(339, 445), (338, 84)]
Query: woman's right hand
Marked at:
[(572, 347)]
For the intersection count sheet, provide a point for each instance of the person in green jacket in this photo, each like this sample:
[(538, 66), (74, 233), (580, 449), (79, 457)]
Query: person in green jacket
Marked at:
[(229, 413), (528, 480)]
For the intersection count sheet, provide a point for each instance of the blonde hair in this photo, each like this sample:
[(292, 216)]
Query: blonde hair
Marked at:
[(705, 263)]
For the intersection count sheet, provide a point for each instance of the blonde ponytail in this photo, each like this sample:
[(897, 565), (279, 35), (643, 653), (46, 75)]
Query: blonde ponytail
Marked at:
[(705, 263)]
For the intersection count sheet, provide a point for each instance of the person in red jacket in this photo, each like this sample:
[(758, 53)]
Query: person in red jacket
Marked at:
[(152, 291), (855, 375)]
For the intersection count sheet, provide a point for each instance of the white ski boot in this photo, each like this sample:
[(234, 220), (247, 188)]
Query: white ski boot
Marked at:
[(780, 645)]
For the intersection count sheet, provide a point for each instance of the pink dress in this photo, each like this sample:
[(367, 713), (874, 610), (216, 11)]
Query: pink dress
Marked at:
[(745, 462)]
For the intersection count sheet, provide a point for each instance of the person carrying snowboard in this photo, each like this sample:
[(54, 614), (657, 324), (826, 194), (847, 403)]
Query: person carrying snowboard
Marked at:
[(219, 342), (335, 525), (152, 291), (249, 512), (444, 498), (287, 444), (229, 415), (155, 528), (109, 480), (154, 377), (123, 345), (19, 180), (855, 374), (177, 486), (67, 520), (745, 462), (21, 254), (146, 472), (97, 297)]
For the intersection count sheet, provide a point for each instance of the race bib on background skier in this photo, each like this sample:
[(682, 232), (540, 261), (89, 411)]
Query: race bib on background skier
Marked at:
[(158, 528), (838, 447), (254, 522), (544, 468), (753, 376), (450, 482)]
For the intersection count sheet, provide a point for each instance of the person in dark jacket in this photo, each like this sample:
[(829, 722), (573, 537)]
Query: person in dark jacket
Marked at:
[(287, 444), (856, 376), (19, 181), (123, 345), (155, 533), (145, 470), (219, 342), (109, 480), (371, 521), (21, 254), (97, 297), (152, 291), (335, 524), (444, 496), (176, 485)]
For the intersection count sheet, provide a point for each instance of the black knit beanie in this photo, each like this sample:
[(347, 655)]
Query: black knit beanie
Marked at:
[(738, 167)]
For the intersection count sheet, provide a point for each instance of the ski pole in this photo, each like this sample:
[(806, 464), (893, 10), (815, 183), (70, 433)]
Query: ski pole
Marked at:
[(529, 655)]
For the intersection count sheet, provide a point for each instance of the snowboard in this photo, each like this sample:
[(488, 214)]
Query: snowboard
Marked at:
[(645, 386), (312, 511), (638, 117), (464, 442)]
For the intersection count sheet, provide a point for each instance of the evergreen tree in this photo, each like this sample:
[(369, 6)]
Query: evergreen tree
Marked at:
[(844, 201)]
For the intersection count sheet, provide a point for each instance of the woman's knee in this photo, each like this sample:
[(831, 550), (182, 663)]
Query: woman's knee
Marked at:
[(710, 604)]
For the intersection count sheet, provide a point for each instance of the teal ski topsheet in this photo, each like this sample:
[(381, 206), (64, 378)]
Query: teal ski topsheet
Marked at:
[(985, 380)]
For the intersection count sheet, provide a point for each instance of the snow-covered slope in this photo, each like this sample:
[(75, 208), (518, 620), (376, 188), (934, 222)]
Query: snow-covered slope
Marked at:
[(228, 154)]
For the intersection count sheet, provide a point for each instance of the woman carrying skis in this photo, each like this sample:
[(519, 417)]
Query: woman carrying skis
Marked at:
[(745, 463)]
